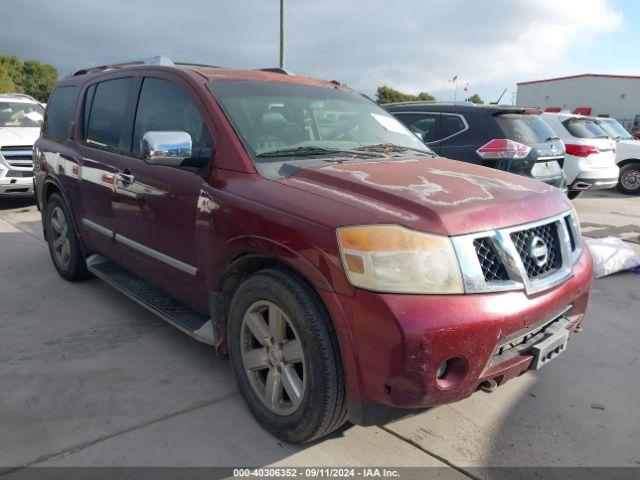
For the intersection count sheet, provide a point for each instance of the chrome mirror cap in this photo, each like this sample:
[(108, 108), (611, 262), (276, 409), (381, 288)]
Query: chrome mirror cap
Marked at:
[(166, 148)]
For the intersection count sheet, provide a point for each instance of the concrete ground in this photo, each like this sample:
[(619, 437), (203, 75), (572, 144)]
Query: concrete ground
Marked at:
[(89, 378)]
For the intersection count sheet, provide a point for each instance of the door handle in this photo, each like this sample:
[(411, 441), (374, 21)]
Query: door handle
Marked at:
[(125, 178)]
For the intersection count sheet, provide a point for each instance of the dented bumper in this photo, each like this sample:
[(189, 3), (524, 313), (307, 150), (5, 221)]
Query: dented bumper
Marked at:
[(400, 343)]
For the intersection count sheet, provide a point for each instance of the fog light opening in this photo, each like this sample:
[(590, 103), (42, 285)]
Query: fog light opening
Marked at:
[(451, 372)]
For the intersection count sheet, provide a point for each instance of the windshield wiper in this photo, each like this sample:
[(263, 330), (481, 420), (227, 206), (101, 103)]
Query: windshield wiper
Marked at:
[(391, 147), (550, 139), (312, 151)]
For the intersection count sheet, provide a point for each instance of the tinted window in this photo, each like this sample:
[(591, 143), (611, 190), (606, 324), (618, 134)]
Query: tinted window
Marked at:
[(424, 125), (584, 128), (450, 125), (59, 112), (88, 100), (107, 113), (525, 128), (164, 106)]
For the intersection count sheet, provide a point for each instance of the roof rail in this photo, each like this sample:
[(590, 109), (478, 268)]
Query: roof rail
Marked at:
[(274, 70), (160, 60)]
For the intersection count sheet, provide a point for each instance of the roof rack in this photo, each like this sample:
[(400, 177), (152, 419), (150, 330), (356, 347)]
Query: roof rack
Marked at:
[(274, 70), (160, 60)]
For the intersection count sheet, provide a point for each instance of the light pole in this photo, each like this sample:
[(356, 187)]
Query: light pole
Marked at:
[(281, 33)]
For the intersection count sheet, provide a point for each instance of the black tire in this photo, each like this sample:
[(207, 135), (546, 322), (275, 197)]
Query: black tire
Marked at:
[(573, 194), (75, 269), (629, 182), (323, 407)]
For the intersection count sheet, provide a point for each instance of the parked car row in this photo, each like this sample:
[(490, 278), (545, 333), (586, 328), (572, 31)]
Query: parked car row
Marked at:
[(562, 149), (299, 227)]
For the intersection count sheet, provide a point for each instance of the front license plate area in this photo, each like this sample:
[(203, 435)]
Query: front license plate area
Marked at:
[(550, 347)]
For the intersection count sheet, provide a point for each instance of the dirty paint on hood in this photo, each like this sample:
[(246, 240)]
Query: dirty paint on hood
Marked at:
[(433, 194)]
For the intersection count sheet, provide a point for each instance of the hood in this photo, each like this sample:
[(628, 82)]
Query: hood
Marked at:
[(18, 136), (433, 194)]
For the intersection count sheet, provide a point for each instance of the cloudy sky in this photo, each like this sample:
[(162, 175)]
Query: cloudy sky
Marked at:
[(412, 45)]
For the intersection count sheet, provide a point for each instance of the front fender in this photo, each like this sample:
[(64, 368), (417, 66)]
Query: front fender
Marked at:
[(321, 272)]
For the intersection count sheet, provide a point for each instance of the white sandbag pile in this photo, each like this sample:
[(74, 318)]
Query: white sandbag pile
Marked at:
[(611, 255)]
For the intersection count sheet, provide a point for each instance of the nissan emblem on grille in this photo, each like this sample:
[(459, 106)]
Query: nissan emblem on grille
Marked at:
[(538, 250)]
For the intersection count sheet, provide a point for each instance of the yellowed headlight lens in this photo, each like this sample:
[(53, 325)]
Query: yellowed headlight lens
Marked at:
[(395, 259)]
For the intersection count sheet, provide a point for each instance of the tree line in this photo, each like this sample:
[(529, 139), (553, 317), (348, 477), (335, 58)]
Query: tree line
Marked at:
[(30, 77), (386, 94)]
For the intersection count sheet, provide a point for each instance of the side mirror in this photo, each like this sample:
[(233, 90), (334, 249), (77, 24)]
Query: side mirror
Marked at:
[(166, 148)]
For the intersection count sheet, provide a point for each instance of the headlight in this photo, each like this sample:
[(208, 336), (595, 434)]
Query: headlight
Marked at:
[(394, 259), (576, 223)]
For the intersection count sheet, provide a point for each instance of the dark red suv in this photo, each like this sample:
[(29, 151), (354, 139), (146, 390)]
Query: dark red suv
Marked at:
[(298, 227)]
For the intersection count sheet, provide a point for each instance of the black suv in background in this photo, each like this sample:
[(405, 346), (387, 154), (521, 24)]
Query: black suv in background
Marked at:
[(515, 140)]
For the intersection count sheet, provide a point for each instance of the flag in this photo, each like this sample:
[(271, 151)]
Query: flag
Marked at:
[(466, 87)]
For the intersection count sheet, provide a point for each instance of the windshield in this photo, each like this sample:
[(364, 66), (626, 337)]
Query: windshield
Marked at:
[(277, 119), (613, 128), (525, 128), (584, 128), (21, 114)]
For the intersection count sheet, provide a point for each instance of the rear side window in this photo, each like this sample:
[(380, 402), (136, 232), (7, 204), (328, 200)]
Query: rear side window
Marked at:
[(164, 106), (584, 128), (451, 124), (106, 115), (424, 125), (525, 128), (59, 112)]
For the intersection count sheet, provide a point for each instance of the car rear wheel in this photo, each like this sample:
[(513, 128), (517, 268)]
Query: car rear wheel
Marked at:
[(630, 179), (285, 357), (64, 246)]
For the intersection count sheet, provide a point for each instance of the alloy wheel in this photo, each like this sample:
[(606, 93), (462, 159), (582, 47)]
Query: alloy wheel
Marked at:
[(60, 238), (273, 357)]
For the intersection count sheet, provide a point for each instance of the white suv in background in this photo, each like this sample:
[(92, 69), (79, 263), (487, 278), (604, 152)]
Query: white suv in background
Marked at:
[(21, 117), (590, 158), (627, 155)]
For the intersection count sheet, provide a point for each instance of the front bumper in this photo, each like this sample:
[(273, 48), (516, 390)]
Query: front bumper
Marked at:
[(16, 186), (399, 342)]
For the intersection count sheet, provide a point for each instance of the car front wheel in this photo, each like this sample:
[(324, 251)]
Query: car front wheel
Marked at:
[(285, 356)]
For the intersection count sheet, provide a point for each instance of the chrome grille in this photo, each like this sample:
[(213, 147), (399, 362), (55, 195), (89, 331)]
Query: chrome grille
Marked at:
[(532, 257), (492, 267), (18, 156), (549, 235)]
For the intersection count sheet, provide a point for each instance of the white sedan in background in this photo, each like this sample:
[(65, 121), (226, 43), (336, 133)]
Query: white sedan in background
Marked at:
[(590, 160), (21, 117)]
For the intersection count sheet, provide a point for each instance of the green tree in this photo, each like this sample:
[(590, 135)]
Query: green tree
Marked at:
[(475, 98), (13, 66), (386, 94), (6, 83), (38, 79), (31, 77)]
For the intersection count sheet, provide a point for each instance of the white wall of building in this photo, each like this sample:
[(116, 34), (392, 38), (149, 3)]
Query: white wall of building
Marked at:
[(613, 96)]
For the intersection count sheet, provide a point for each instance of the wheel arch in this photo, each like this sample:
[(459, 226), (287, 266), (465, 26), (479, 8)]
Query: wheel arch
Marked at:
[(628, 161)]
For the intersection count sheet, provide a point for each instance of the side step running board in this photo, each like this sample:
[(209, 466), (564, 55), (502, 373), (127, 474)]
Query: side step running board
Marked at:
[(182, 316)]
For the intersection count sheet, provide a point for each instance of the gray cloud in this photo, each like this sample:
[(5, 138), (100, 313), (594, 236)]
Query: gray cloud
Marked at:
[(413, 45)]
